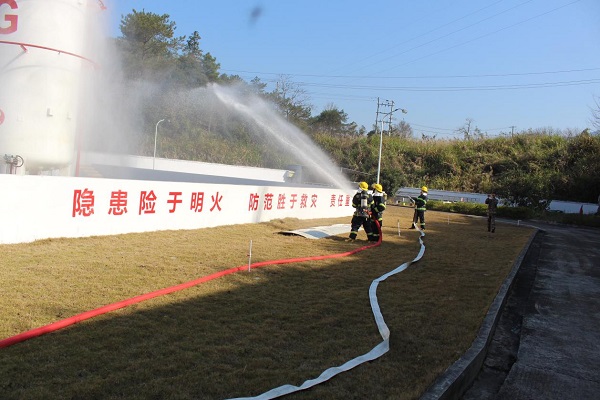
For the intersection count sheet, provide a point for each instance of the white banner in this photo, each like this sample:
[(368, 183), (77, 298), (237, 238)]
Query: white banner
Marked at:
[(41, 207)]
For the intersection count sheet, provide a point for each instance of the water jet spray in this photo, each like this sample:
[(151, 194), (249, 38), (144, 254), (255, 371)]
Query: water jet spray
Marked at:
[(285, 135)]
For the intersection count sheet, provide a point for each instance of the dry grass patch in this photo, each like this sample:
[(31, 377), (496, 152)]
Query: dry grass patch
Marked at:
[(246, 333)]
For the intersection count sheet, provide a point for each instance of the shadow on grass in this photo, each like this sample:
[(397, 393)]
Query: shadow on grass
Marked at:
[(268, 327), (277, 319)]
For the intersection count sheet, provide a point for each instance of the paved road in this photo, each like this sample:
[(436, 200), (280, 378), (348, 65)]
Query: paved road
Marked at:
[(546, 344)]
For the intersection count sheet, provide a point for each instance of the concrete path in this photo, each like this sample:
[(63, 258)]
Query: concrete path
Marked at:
[(546, 343)]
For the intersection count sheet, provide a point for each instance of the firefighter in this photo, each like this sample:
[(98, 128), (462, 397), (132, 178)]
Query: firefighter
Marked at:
[(377, 209), (420, 208), (362, 202)]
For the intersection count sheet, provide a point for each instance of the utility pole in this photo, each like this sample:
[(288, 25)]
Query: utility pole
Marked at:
[(512, 131), (377, 116), (384, 103), (390, 120), (381, 133)]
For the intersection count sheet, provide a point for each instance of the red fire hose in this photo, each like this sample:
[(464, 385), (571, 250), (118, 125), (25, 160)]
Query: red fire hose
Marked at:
[(138, 299)]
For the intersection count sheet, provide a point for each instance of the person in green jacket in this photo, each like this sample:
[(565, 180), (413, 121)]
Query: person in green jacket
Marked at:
[(421, 207)]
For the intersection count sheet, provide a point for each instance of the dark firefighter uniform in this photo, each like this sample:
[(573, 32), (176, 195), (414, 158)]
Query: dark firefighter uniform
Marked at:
[(362, 202), (421, 207), (377, 209)]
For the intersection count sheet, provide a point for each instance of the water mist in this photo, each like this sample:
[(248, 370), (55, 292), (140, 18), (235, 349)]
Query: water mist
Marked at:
[(282, 135)]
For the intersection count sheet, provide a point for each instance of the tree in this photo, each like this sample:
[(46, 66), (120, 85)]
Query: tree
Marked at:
[(232, 80), (596, 114), (331, 121), (468, 131), (211, 67), (190, 71), (196, 68), (258, 86), (192, 46), (291, 100), (403, 130), (148, 43)]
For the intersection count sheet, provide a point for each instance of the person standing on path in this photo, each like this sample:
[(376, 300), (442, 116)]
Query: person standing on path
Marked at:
[(492, 203)]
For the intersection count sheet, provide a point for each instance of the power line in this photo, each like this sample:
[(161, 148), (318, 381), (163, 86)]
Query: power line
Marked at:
[(424, 34), (453, 130), (462, 76), (487, 34), (432, 127), (456, 88), (478, 22), (419, 76), (452, 33), (461, 88), (498, 129)]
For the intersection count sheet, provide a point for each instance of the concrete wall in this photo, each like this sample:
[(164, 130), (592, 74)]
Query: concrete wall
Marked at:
[(40, 207), (572, 207), (190, 167)]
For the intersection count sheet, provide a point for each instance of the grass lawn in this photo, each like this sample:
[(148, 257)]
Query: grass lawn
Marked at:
[(248, 332)]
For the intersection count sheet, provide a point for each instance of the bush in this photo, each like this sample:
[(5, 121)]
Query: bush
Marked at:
[(575, 219), (458, 207), (481, 209), (516, 212)]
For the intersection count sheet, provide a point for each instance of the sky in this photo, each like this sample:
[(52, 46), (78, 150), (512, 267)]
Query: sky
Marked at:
[(505, 65)]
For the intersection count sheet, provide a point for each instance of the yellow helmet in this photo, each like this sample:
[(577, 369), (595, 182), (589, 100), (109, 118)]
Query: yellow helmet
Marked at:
[(378, 187), (363, 186), (424, 189)]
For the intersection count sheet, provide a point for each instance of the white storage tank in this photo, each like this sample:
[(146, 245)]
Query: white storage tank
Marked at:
[(42, 55)]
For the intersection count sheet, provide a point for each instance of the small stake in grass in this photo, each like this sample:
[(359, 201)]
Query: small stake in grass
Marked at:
[(448, 220), (250, 256), (399, 228)]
